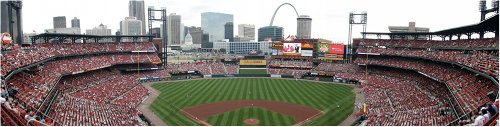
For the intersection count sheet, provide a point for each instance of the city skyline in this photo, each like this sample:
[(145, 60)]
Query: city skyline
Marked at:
[(330, 17)]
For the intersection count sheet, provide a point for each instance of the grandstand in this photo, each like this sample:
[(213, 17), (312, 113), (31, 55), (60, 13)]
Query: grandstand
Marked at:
[(396, 81)]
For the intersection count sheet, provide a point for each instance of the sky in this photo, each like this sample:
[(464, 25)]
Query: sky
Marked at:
[(329, 17)]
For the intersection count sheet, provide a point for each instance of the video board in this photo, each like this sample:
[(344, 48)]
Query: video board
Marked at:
[(324, 48), (331, 51), (292, 49)]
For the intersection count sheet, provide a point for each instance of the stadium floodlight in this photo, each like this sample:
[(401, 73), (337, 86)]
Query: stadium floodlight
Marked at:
[(494, 3), (482, 5), (363, 17), (152, 12)]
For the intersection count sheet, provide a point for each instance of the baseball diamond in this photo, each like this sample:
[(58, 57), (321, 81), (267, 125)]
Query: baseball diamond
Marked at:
[(270, 101)]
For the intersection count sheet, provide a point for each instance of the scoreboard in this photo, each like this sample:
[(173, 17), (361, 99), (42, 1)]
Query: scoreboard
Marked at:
[(328, 51), (292, 49)]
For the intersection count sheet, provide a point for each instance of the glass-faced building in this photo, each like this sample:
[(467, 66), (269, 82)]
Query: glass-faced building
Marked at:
[(273, 32), (212, 23)]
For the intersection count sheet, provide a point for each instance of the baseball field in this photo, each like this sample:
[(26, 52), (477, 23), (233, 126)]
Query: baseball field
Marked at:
[(252, 101)]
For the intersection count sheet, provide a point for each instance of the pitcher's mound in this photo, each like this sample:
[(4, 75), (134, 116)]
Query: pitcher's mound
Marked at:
[(251, 121)]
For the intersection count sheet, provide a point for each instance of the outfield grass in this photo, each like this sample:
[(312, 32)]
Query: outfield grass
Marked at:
[(253, 71), (321, 96), (266, 118)]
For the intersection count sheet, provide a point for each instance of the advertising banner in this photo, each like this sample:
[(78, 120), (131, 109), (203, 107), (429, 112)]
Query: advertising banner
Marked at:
[(253, 62), (336, 49)]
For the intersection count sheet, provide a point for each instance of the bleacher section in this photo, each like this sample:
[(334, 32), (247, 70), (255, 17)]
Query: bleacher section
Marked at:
[(206, 68), (81, 79)]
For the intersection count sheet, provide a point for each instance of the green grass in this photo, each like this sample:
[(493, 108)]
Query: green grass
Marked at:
[(266, 117), (253, 71), (321, 96)]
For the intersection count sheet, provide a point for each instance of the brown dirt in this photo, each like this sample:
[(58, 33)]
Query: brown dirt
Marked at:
[(144, 106), (204, 111), (251, 121)]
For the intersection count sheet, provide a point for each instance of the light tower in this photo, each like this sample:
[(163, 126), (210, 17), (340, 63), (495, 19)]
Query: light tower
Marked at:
[(12, 19), (163, 19), (484, 10), (362, 20)]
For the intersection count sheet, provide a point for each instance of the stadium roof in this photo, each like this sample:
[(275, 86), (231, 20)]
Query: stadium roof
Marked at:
[(488, 25), (73, 37)]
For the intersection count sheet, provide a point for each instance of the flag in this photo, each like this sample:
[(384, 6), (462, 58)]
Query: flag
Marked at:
[(364, 107)]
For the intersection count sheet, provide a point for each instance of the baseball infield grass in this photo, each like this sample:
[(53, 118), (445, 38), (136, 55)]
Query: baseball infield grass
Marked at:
[(266, 118), (253, 71), (336, 101)]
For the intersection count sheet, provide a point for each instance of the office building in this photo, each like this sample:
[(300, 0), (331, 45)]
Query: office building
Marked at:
[(130, 26), (212, 23), (275, 33), (174, 32), (59, 22), (196, 34), (75, 23), (242, 39), (304, 26), (99, 30), (136, 9), (229, 31), (156, 32), (246, 31), (243, 47)]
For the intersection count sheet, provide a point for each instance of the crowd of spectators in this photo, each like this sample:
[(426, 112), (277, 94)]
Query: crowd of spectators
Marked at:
[(287, 71), (479, 60), (207, 67), (398, 98), (116, 96), (471, 90), (20, 57), (290, 63), (17, 113), (74, 111), (32, 86), (458, 44)]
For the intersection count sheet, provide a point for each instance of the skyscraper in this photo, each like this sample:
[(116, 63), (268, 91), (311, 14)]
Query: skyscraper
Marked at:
[(196, 34), (246, 31), (75, 23), (156, 32), (60, 22), (99, 30), (174, 32), (273, 32), (136, 9), (14, 14), (229, 31), (304, 26), (212, 23), (130, 26)]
